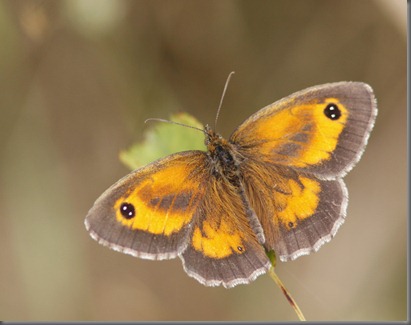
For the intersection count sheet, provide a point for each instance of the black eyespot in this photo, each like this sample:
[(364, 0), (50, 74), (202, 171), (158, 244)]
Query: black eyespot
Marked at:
[(127, 210), (291, 224), (240, 248), (332, 112)]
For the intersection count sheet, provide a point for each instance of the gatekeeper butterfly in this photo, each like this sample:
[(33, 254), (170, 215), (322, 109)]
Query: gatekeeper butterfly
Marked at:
[(275, 185)]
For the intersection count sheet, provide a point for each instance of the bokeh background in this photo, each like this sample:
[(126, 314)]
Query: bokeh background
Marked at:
[(79, 77)]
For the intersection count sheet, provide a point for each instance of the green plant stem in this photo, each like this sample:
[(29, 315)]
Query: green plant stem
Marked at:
[(290, 299)]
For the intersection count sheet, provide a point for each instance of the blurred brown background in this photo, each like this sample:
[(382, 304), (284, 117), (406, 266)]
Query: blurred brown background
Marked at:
[(79, 77)]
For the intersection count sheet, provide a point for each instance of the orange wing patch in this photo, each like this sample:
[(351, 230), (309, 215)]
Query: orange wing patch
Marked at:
[(299, 204), (299, 135), (217, 242), (163, 202), (223, 229)]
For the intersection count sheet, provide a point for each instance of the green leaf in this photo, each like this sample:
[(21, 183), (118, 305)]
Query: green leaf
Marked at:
[(162, 139)]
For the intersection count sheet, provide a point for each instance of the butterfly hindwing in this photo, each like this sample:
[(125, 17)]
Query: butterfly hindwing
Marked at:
[(298, 212), (224, 249)]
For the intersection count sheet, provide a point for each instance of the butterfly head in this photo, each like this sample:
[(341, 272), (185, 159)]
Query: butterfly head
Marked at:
[(213, 139)]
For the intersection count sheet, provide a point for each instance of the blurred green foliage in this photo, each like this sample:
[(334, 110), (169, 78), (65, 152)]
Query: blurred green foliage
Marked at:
[(162, 139)]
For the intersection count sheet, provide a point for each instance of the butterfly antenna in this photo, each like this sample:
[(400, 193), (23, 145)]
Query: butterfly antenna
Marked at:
[(172, 122), (222, 97)]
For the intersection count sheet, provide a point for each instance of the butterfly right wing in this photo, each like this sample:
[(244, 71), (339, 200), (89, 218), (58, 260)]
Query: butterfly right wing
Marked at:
[(322, 130), (295, 153)]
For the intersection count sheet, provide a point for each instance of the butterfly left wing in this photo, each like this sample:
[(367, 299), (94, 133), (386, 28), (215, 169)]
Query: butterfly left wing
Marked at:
[(295, 153)]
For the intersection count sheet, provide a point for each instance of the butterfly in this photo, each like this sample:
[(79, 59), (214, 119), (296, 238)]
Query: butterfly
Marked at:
[(275, 185)]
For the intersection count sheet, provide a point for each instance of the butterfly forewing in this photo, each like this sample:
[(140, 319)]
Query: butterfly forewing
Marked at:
[(149, 212), (322, 130)]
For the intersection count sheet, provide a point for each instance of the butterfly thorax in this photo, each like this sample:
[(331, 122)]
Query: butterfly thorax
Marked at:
[(223, 157)]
